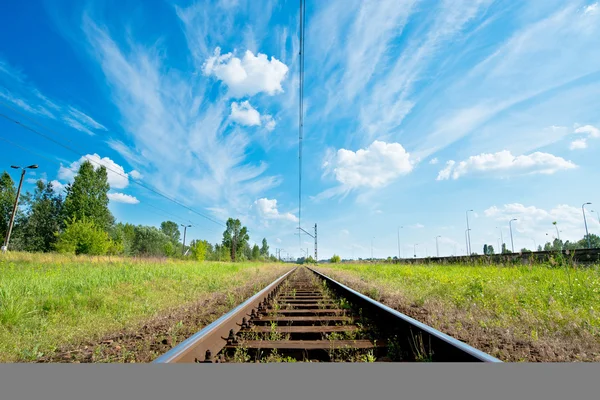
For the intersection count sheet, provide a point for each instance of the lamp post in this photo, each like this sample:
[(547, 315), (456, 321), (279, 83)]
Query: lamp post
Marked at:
[(468, 233), (437, 248), (585, 223), (14, 211), (399, 251), (556, 226), (501, 238), (184, 232), (372, 247), (466, 241), (512, 245), (597, 215)]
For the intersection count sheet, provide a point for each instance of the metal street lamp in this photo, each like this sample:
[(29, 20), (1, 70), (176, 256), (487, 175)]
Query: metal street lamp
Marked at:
[(437, 248), (372, 247), (14, 211), (184, 232), (512, 245), (468, 234), (585, 223), (466, 241), (501, 238), (399, 251), (556, 226), (597, 215)]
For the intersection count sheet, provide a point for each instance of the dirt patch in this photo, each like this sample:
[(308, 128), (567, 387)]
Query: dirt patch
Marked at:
[(505, 344), (150, 339)]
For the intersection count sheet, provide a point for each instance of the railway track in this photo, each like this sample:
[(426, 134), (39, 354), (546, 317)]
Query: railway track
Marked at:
[(309, 317)]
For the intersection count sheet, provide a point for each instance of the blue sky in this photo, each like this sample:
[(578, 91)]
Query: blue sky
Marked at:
[(415, 111)]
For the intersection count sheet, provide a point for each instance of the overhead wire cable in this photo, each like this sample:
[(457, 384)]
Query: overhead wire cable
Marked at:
[(150, 188)]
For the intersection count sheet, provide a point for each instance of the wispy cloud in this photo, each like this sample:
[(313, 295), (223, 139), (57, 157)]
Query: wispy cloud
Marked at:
[(173, 121), (15, 88), (503, 163)]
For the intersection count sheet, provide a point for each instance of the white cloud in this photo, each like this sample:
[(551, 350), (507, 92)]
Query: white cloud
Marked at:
[(578, 144), (268, 122), (345, 232), (249, 75), (416, 226), (244, 114), (592, 8), (136, 175), (535, 221), (117, 177), (58, 187), (122, 198), (433, 161), (176, 128), (376, 166), (267, 209), (278, 240), (504, 162), (590, 130)]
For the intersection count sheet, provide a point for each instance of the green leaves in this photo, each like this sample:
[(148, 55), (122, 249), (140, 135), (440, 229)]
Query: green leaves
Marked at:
[(83, 237), (87, 196)]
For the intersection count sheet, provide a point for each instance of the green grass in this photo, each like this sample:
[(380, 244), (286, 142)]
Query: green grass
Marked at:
[(49, 300), (533, 300)]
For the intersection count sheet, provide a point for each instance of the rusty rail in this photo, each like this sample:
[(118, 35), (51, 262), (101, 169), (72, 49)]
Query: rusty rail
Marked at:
[(297, 317)]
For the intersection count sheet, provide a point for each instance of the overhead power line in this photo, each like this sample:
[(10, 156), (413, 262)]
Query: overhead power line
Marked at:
[(76, 152), (301, 114), (178, 218)]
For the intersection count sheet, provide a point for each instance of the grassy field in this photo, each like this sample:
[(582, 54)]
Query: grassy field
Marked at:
[(533, 313), (47, 301)]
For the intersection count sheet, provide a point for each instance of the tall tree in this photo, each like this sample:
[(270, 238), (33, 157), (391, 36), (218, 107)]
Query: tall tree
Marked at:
[(255, 252), (44, 219), (485, 249), (235, 237), (87, 196), (171, 229), (149, 241), (264, 250), (8, 193)]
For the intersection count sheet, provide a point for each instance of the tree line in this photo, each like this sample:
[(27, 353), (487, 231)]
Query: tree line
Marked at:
[(78, 221)]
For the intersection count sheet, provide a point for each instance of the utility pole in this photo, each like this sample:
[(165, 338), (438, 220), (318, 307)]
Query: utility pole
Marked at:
[(468, 233), (512, 245), (437, 247), (415, 248), (312, 236), (501, 238), (585, 222), (184, 232), (14, 211), (556, 226)]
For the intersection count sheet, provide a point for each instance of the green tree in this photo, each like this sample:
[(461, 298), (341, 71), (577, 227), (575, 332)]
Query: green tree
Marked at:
[(255, 252), (149, 241), (485, 249), (44, 219), (123, 234), (87, 196), (525, 250), (171, 229), (83, 237), (8, 193), (235, 238), (264, 250), (199, 249), (335, 259), (504, 249), (594, 241)]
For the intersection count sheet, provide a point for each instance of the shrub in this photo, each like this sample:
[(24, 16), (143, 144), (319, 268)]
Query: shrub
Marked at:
[(198, 249), (83, 237), (335, 259)]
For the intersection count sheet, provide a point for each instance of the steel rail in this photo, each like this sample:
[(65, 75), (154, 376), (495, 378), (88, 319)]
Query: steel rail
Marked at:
[(445, 348), (213, 337)]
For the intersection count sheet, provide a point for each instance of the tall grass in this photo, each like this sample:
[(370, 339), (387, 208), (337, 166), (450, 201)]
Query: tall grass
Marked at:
[(534, 300), (47, 300)]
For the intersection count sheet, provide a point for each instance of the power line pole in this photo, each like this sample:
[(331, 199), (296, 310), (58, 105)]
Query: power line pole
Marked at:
[(585, 222), (399, 251), (14, 211), (512, 245), (468, 233)]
